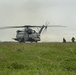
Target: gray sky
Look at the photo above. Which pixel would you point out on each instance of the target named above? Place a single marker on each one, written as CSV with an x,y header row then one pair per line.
x,y
37,12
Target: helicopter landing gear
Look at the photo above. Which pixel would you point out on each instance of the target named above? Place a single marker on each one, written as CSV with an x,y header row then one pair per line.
x,y
21,40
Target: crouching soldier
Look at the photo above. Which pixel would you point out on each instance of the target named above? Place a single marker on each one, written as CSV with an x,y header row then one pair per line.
x,y
73,39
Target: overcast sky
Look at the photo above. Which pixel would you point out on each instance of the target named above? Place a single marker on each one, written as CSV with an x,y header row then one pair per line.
x,y
37,12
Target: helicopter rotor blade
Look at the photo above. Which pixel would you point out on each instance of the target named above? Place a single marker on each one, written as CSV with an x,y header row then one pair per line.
x,y
46,26
29,26
56,26
26,26
7,27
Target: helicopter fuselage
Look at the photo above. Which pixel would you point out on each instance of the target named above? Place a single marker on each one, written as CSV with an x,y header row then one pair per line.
x,y
27,35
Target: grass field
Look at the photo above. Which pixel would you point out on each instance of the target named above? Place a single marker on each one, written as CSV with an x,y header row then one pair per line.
x,y
38,59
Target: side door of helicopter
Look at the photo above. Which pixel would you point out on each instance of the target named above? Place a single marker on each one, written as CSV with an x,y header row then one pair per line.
x,y
26,36
22,36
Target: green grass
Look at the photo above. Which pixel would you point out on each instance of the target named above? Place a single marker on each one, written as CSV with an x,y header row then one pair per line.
x,y
38,59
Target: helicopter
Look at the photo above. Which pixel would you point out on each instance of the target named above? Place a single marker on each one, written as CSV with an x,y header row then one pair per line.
x,y
28,34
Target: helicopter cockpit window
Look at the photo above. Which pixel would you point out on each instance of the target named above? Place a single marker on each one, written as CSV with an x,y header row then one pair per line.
x,y
29,31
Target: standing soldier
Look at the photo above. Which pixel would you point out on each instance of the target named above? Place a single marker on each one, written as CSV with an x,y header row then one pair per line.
x,y
73,39
64,40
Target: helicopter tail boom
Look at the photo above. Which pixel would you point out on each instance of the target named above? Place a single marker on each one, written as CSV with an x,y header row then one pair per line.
x,y
41,29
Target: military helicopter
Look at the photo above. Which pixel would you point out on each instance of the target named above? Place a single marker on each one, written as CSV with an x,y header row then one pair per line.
x,y
28,34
